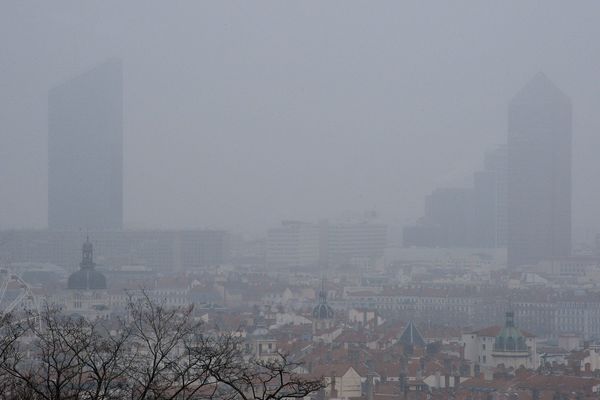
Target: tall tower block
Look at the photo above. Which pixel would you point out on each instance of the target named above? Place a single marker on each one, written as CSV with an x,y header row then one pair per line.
x,y
539,173
85,150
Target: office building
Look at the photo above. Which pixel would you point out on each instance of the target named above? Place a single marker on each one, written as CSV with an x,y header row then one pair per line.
x,y
85,151
293,244
325,244
158,250
539,174
488,214
466,217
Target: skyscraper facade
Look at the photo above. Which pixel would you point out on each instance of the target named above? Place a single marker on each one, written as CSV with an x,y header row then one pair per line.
x,y
539,174
487,226
85,151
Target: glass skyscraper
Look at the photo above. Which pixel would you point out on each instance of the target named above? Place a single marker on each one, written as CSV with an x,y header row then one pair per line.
x,y
539,174
85,150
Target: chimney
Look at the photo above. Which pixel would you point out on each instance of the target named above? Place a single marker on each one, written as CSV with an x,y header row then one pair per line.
x,y
447,364
369,387
488,374
333,392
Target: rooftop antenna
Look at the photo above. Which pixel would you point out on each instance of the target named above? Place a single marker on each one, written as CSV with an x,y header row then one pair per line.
x,y
510,315
322,293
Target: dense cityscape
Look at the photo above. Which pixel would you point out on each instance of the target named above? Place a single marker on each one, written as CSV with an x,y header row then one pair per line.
x,y
489,294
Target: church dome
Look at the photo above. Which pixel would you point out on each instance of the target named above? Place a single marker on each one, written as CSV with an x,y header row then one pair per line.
x,y
87,278
510,338
322,310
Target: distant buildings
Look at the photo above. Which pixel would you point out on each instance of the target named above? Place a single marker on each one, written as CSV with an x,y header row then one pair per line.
x,y
488,222
522,198
85,150
495,345
167,250
293,244
466,217
448,209
352,243
302,244
539,174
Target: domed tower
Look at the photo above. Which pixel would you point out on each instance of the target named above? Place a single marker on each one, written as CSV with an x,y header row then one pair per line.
x,y
510,346
87,278
322,313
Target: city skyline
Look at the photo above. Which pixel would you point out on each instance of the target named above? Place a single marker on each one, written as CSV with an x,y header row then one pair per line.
x,y
299,200
229,126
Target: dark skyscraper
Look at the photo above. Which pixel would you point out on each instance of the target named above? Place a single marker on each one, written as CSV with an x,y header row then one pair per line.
x,y
85,150
539,173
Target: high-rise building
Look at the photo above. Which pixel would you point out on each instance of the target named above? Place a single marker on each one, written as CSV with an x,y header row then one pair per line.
x,y
466,217
85,150
354,243
449,208
305,244
539,174
293,244
446,220
488,214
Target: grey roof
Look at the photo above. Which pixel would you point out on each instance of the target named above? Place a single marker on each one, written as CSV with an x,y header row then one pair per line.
x,y
87,279
411,336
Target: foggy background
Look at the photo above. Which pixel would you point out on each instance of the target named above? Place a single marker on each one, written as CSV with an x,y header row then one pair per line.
x,y
240,114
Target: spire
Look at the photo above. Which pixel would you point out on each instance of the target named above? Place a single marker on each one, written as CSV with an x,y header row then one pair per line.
x,y
510,314
322,310
87,255
322,292
510,319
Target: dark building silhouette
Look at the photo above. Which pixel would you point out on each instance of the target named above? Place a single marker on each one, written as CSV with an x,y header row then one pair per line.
x,y
323,315
466,217
539,174
446,220
85,150
487,227
87,278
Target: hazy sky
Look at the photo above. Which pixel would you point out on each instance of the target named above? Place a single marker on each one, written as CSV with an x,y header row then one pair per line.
x,y
240,114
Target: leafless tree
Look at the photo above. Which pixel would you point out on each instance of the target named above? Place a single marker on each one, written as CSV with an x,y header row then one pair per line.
x,y
167,347
243,378
11,331
106,361
53,369
158,352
